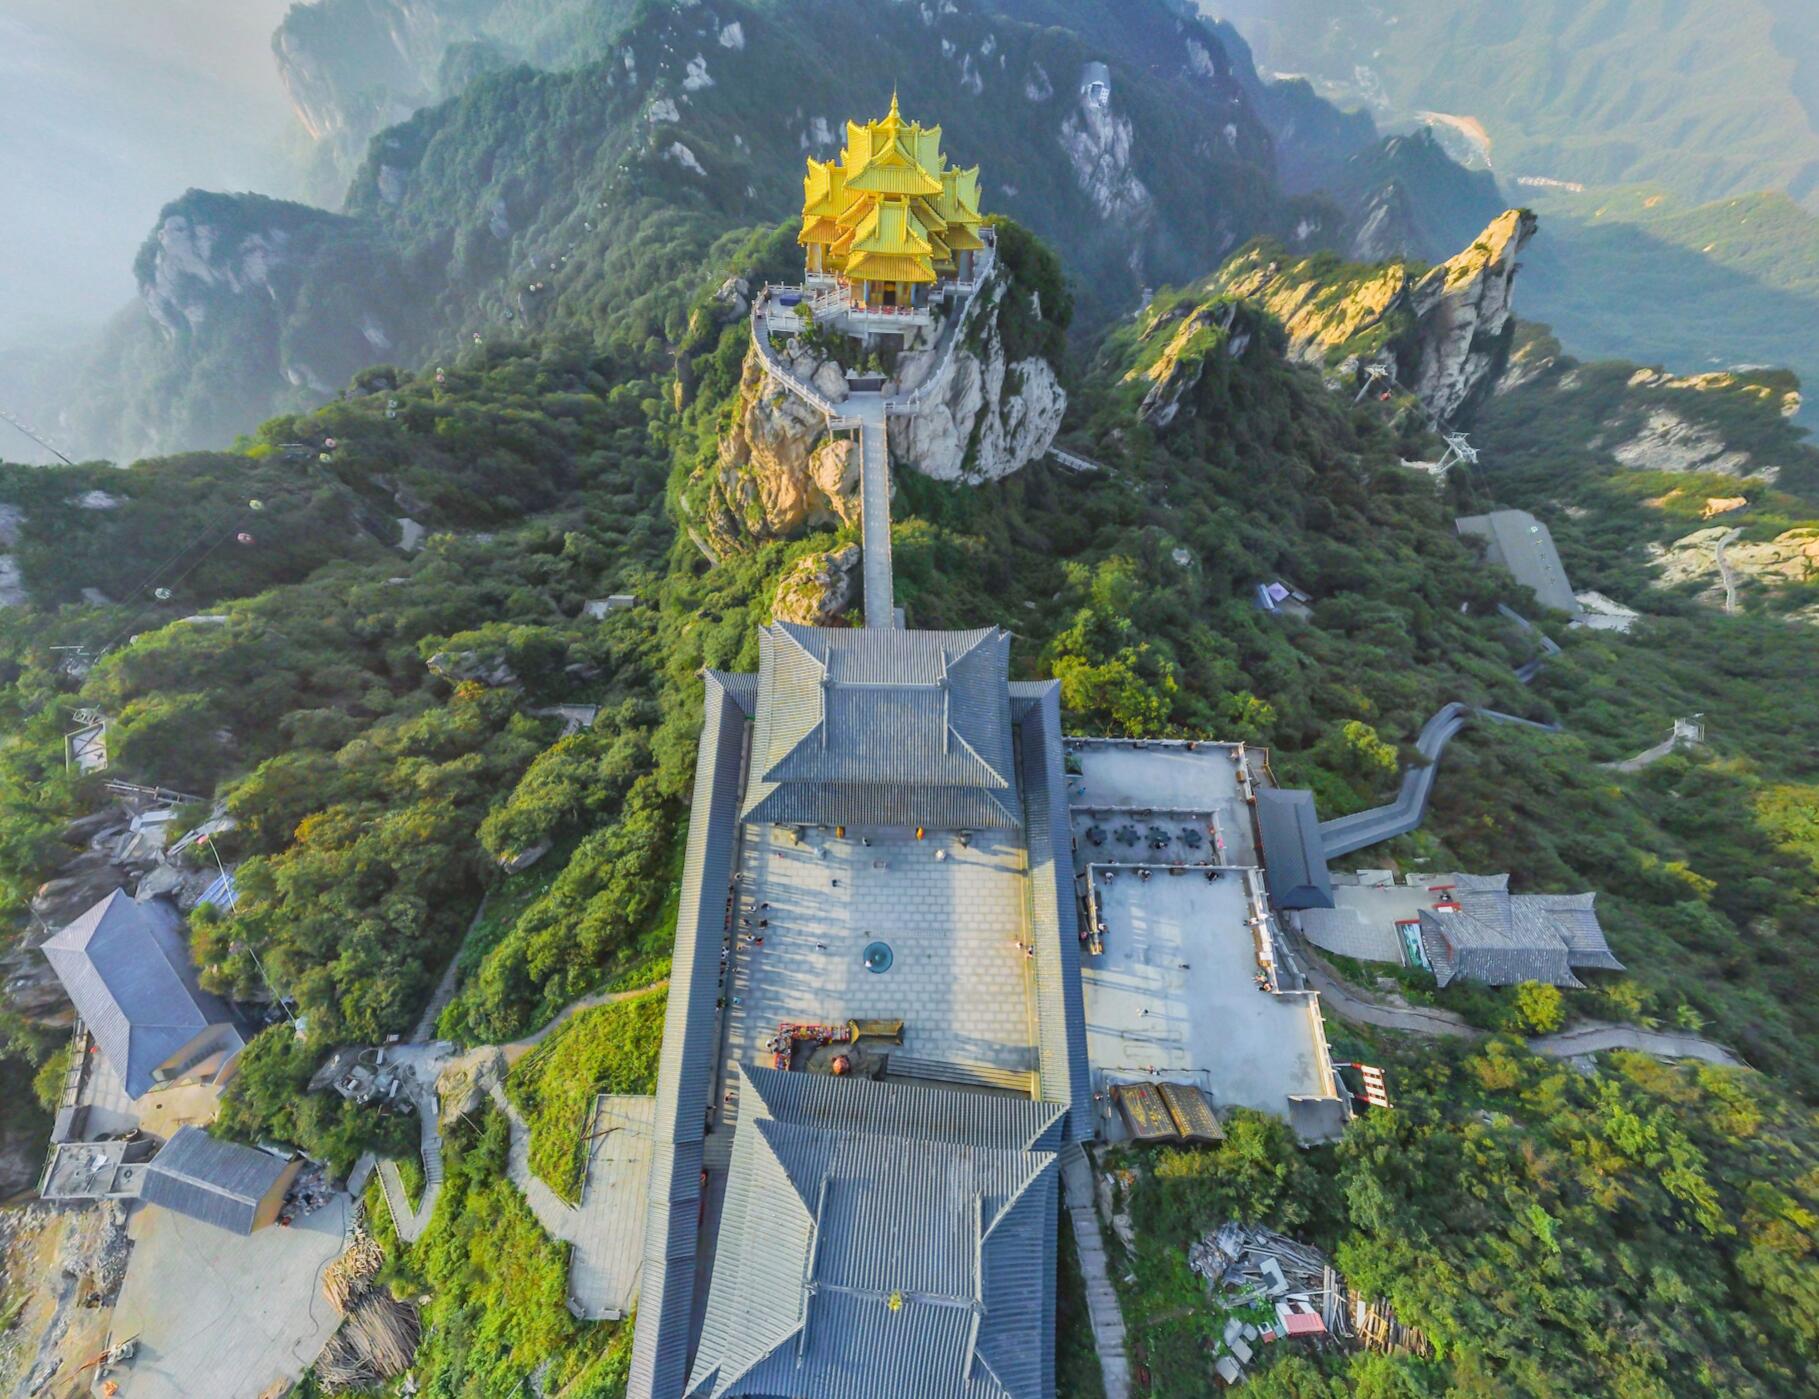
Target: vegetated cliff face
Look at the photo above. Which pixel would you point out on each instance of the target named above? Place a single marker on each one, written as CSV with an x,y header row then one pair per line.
x,y
1704,480
247,307
214,257
983,410
1445,331
1406,198
351,68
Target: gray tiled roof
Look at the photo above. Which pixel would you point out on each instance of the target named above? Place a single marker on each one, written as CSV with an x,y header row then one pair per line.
x,y
127,968
882,727
930,1114
1054,911
685,1069
1294,857
1522,546
861,1254
1501,938
220,1183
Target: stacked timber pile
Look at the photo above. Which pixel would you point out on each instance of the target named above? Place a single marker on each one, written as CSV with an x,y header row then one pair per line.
x,y
378,1333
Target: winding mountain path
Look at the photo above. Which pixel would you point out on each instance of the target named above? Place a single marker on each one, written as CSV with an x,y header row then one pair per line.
x,y
1725,575
1344,834
425,1060
1591,1037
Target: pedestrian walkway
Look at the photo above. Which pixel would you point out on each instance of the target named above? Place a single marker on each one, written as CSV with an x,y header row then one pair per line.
x,y
875,507
410,1223
1592,1037
1101,1300
605,1232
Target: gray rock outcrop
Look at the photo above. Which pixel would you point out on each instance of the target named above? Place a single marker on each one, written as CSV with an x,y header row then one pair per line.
x,y
1464,311
818,589
980,416
458,667
779,471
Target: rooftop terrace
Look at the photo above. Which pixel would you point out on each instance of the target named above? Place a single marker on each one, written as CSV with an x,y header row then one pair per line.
x,y
1170,780
1175,995
1188,985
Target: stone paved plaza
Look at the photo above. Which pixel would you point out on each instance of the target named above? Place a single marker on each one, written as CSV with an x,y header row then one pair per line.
x,y
1165,778
952,915
1206,1021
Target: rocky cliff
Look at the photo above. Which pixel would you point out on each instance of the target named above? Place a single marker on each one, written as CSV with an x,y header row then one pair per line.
x,y
1445,331
987,401
779,471
981,414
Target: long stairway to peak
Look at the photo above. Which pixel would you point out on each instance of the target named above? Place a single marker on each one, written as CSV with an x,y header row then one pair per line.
x,y
875,507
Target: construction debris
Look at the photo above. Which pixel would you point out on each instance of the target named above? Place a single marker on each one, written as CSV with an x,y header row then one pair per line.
x,y
1252,1272
375,1342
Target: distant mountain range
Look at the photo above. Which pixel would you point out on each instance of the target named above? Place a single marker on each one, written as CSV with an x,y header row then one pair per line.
x,y
1705,98
527,168
1673,150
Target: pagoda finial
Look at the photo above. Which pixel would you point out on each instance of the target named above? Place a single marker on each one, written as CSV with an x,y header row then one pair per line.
x,y
895,115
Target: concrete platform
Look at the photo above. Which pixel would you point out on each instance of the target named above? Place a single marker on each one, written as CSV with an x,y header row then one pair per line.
x,y
1362,921
1148,1015
1166,778
220,1316
608,1247
952,915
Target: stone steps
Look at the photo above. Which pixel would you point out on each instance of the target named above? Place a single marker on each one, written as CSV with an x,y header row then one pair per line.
x,y
1102,1306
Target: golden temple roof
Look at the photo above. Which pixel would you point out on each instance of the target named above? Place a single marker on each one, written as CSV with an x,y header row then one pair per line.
x,y
890,208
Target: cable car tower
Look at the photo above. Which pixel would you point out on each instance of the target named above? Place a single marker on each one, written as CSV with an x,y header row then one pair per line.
x,y
1458,451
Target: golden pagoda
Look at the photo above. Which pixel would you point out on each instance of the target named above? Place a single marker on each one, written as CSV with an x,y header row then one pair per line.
x,y
890,220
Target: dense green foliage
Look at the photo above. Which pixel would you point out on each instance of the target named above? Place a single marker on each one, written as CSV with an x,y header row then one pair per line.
x,y
498,1286
1642,1230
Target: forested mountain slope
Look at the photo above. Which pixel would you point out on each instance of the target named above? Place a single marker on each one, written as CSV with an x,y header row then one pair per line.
x,y
1702,98
1673,151
369,717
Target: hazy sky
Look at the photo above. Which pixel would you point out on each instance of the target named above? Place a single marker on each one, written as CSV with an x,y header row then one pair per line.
x,y
108,109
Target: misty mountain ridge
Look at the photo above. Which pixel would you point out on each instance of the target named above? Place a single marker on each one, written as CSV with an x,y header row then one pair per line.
x,y
538,198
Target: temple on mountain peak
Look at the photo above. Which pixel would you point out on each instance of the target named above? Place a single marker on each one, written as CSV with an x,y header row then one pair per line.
x,y
890,221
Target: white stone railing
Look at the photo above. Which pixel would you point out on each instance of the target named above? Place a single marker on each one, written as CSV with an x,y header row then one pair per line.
x,y
910,404
774,365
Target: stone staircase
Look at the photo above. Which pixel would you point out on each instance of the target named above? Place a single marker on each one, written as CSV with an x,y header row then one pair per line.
x,y
1101,1300
411,1224
438,1002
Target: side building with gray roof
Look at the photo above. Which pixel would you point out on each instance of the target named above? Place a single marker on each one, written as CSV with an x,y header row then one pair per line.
x,y
880,731
1521,545
1485,933
1294,857
233,1187
127,968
